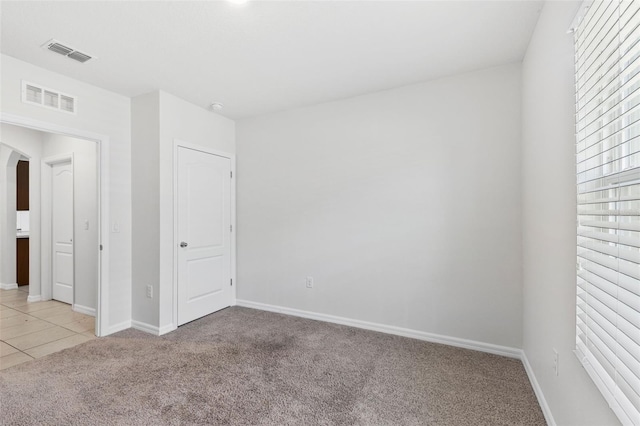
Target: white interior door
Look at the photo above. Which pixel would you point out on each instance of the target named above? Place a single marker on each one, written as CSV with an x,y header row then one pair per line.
x,y
62,231
204,233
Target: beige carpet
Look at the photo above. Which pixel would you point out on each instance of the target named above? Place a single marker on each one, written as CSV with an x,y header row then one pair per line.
x,y
246,367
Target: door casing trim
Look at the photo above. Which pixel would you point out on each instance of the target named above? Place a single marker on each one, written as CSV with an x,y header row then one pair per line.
x,y
102,141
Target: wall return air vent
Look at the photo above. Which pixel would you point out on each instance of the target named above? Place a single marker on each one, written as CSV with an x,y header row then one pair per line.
x,y
69,52
35,94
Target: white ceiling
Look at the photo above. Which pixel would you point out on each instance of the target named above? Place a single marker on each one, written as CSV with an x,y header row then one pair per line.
x,y
267,55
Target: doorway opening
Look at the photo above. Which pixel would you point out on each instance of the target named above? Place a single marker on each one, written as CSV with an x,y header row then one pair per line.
x,y
67,195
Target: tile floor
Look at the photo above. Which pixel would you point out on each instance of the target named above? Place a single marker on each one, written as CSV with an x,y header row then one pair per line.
x,y
33,330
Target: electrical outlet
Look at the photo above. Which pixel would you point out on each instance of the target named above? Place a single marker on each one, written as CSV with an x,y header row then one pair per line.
x,y
150,292
556,361
309,282
86,225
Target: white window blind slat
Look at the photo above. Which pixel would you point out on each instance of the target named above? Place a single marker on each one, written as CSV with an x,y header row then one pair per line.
x,y
595,55
596,198
602,155
610,124
628,132
600,315
601,210
606,309
630,241
598,13
628,269
621,356
621,96
607,65
632,226
630,331
619,180
607,33
610,249
612,356
601,83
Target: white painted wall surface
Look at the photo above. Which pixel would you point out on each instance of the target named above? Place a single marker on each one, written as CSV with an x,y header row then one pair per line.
x,y
158,119
29,143
404,206
101,112
549,222
145,172
85,186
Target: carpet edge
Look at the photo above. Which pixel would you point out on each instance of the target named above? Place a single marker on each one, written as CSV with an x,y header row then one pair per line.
x,y
388,329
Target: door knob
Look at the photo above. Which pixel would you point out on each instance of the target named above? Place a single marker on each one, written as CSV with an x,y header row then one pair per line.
x,y
183,244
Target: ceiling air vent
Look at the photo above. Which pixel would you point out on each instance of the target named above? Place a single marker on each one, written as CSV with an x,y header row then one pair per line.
x,y
78,56
69,52
60,48
36,94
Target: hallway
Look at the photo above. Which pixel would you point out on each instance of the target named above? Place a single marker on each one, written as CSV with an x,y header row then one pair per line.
x,y
33,330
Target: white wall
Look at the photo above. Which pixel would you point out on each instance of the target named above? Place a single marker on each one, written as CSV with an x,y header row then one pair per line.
x,y
549,220
145,172
29,143
101,112
158,119
404,205
85,187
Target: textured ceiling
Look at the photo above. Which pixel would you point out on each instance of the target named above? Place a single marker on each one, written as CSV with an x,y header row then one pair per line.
x,y
267,55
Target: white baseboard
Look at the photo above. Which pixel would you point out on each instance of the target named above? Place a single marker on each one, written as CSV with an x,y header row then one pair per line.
x,y
147,328
143,326
152,329
84,310
166,329
12,286
538,391
118,327
34,298
399,331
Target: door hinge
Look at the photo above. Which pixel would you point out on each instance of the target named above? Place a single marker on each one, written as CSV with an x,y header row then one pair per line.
x,y
100,247
230,228
231,175
231,281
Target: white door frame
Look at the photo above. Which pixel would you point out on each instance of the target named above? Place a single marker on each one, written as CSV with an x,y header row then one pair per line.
x,y
102,141
232,158
46,227
9,233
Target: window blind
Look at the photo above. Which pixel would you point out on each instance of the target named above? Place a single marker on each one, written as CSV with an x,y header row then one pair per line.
x,y
607,66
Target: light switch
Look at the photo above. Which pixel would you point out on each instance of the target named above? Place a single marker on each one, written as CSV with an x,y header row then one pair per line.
x,y
115,228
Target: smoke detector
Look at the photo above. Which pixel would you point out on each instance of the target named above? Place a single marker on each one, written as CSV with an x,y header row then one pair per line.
x,y
216,106
64,50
